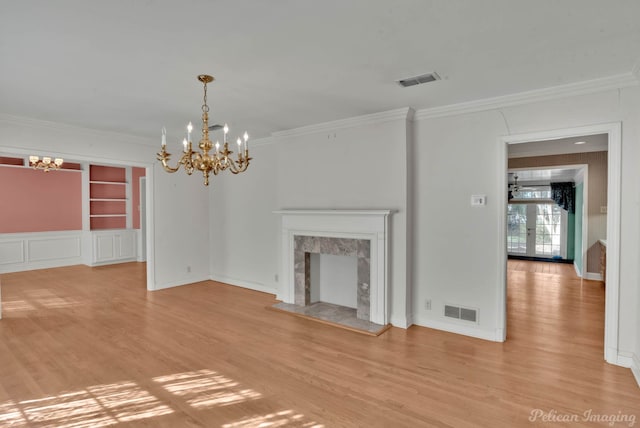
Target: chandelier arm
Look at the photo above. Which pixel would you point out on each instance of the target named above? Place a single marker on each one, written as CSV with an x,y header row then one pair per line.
x,y
239,165
163,157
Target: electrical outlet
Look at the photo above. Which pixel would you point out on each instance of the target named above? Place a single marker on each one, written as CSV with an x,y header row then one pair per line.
x,y
427,304
275,277
188,269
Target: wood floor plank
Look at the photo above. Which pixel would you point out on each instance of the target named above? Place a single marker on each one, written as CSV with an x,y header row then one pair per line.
x,y
85,347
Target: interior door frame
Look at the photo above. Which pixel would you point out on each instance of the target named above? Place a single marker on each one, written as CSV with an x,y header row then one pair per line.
x,y
612,291
143,218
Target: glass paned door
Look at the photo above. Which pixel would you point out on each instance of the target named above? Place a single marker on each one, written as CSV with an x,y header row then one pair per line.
x,y
548,230
517,229
534,230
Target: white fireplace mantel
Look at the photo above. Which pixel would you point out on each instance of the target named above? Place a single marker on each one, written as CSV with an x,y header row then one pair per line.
x,y
372,225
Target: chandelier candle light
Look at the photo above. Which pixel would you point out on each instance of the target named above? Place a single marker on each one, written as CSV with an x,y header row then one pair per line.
x,y
46,163
204,161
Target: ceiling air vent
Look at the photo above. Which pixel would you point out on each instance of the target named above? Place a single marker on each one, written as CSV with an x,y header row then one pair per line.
x,y
417,80
215,127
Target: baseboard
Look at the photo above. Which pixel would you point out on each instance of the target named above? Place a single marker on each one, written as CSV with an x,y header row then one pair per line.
x,y
402,322
628,360
611,356
624,359
178,283
43,265
575,266
592,276
635,368
251,285
111,262
496,335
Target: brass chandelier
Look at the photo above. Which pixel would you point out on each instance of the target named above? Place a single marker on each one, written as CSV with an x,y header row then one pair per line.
x,y
46,163
204,161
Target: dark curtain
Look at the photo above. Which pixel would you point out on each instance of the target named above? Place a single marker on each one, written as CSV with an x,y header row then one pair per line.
x,y
564,195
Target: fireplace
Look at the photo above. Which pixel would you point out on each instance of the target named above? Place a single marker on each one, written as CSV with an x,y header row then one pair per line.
x,y
360,234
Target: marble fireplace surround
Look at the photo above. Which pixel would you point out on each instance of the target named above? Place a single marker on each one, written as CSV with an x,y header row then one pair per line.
x,y
362,233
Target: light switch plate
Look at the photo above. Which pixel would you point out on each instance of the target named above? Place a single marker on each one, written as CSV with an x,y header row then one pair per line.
x,y
478,200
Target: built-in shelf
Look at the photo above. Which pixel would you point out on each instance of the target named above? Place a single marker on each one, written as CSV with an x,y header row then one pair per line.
x,y
124,183
107,197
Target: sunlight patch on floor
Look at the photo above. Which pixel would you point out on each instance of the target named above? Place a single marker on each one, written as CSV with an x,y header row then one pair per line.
x,y
9,306
206,388
36,299
284,418
96,406
121,402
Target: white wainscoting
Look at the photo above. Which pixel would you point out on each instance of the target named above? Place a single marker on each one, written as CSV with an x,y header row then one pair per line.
x,y
39,250
113,246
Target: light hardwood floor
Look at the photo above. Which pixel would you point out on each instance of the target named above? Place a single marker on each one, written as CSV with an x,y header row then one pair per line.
x,y
88,347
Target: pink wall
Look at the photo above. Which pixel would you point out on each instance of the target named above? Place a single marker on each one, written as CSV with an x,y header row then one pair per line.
x,y
37,201
136,173
106,173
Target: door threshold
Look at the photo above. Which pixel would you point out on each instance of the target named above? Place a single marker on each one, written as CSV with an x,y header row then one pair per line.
x,y
540,259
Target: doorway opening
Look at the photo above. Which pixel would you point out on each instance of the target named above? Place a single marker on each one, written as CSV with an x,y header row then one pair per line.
x,y
537,230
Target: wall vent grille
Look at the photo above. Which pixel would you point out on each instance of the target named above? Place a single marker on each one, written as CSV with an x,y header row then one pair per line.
x,y
458,312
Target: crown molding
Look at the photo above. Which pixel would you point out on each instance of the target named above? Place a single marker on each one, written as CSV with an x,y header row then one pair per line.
x,y
404,113
636,69
57,126
536,95
264,141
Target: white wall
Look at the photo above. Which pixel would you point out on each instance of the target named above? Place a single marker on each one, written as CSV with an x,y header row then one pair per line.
x,y
244,232
456,257
180,228
180,204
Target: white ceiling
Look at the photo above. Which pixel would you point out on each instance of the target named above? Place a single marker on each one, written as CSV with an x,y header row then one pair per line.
x,y
592,143
130,66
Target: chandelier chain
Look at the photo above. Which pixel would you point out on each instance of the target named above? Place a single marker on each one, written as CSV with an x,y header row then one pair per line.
x,y
205,107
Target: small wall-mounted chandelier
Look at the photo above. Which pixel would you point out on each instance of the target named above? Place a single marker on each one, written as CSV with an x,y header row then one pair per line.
x,y
203,161
46,164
